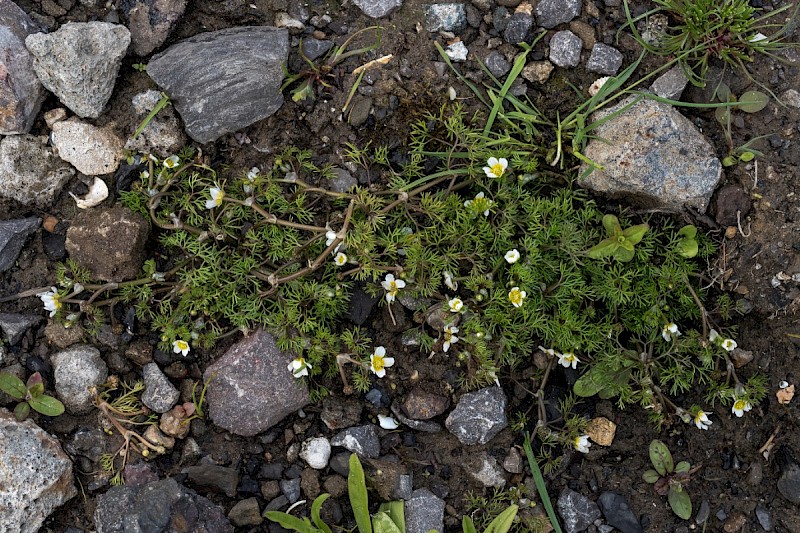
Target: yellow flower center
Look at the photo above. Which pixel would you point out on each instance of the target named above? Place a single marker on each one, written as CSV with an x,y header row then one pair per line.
x,y
497,169
515,297
182,345
377,363
739,405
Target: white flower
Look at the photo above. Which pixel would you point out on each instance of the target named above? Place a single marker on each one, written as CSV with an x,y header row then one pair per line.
x,y
378,362
568,359
701,420
448,280
387,422
549,351
713,335
299,367
582,443
51,301
729,345
481,203
669,330
516,296
449,337
181,347
172,161
496,167
340,259
392,286
253,173
217,195
455,305
330,236
740,407
512,256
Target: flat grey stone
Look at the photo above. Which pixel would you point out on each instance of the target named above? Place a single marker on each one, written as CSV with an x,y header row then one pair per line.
x,y
15,325
13,234
377,8
670,84
151,21
565,49
653,155
291,489
497,64
246,513
618,513
316,48
518,28
92,150
604,59
450,17
343,182
76,369
157,506
484,469
36,474
577,511
216,91
362,440
29,171
21,93
79,63
551,13
109,242
159,393
251,389
424,511
222,479
478,416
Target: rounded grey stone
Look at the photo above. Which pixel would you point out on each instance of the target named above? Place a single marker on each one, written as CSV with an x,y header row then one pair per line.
x,y
76,369
604,59
565,49
159,393
478,416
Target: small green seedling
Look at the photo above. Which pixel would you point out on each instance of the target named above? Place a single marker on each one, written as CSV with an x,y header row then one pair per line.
x,y
619,243
687,241
748,102
501,524
670,479
31,396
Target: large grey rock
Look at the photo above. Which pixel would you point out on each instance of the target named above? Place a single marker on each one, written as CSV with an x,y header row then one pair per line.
x,y
151,21
652,154
75,370
577,511
157,506
29,171
604,60
36,475
92,150
163,135
377,8
13,234
551,13
79,63
250,388
15,325
109,242
21,93
446,17
565,49
362,440
424,511
478,416
159,394
217,91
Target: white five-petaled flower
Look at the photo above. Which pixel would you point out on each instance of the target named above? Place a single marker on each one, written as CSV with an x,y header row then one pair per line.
x,y
480,202
455,305
217,194
568,359
449,281
51,300
496,167
740,407
512,256
378,362
181,346
251,175
449,337
387,422
669,330
172,161
729,345
392,286
701,420
299,367
340,259
582,443
516,296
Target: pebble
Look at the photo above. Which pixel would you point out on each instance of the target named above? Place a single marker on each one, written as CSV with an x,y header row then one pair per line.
x,y
537,71
291,489
151,21
551,13
518,28
604,59
423,405
789,482
13,235
75,370
735,522
316,48
478,416
497,64
703,513
484,469
377,8
218,478
92,150
424,511
618,513
15,325
450,17
577,512
316,452
362,440
601,430
565,49
764,517
670,84
29,171
513,462
246,513
457,51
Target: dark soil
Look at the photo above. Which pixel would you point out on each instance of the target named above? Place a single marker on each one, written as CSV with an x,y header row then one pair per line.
x,y
735,476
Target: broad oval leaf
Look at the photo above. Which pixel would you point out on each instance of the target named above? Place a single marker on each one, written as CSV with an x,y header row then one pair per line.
x,y
503,522
467,525
21,411
381,523
47,405
650,476
611,224
682,467
661,458
624,253
680,502
634,234
588,384
13,386
728,161
687,248
689,231
723,115
746,156
605,248
753,101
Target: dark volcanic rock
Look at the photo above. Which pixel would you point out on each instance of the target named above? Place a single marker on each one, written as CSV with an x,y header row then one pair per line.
x,y
13,234
478,416
618,513
576,510
15,325
223,81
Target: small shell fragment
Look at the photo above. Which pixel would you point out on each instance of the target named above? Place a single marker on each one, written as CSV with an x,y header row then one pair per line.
x,y
97,193
785,394
597,85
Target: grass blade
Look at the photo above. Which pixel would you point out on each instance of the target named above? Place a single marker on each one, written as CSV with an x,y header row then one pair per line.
x,y
539,480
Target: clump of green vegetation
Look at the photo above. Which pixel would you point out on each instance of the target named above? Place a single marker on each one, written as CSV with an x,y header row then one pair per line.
x,y
670,479
502,511
30,395
748,102
729,30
